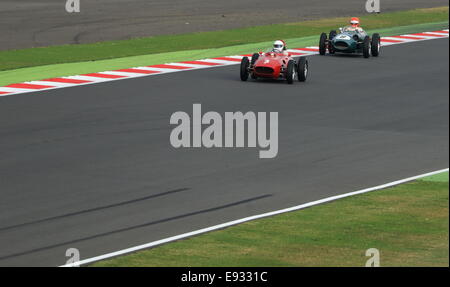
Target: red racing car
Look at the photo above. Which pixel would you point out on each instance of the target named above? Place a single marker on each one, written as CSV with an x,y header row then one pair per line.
x,y
275,64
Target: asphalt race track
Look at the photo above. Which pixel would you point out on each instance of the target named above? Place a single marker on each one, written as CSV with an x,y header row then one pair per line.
x,y
36,23
91,167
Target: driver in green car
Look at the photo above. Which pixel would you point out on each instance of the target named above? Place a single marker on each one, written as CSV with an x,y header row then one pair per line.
x,y
354,27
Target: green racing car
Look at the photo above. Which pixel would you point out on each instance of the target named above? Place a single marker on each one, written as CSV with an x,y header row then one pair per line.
x,y
350,40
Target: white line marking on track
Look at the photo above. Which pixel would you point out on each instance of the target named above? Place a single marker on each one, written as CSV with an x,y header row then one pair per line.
x,y
191,66
222,62
87,78
235,57
421,37
14,90
45,83
160,70
246,219
125,74
398,39
437,33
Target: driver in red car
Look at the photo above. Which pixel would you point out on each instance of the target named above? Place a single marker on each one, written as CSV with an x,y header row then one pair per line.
x,y
279,46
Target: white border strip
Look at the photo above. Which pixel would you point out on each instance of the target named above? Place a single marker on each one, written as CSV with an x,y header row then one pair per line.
x,y
246,219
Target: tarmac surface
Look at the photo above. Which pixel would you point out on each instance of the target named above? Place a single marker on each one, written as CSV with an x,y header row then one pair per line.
x,y
92,168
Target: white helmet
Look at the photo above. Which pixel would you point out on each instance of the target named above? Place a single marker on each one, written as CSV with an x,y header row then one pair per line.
x,y
278,46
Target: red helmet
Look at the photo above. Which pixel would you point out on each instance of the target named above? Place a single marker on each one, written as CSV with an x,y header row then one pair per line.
x,y
354,21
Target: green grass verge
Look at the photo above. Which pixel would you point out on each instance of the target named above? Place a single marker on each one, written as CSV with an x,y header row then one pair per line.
x,y
441,177
408,224
38,63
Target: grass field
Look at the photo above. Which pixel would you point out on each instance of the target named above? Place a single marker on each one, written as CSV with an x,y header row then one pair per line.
x,y
14,59
408,224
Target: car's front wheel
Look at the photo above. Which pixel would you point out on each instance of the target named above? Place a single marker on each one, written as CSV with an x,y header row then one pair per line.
x,y
244,69
290,72
375,45
302,69
323,44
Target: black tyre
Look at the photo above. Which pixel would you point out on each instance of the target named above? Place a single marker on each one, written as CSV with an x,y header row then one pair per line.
x,y
255,58
375,45
366,47
244,69
290,72
323,44
331,36
302,69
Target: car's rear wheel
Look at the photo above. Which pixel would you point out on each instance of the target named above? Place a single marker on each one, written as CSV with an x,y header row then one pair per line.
x,y
323,44
375,45
302,69
255,58
244,69
366,47
290,72
331,36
